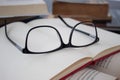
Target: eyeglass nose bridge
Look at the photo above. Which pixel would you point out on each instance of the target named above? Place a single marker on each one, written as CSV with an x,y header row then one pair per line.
x,y
65,45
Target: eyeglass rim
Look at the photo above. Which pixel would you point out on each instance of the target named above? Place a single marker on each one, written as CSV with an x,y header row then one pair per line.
x,y
63,45
27,51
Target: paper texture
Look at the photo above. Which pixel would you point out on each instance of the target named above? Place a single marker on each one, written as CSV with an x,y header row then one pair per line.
x,y
18,66
90,74
109,65
106,38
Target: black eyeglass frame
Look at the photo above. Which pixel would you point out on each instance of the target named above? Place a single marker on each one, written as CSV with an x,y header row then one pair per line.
x,y
63,45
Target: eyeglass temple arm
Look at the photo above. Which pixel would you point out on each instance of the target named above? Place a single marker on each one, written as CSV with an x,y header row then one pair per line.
x,y
93,36
16,45
77,29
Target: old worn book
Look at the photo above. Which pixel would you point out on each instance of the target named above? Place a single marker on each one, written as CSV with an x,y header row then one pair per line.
x,y
85,1
12,8
82,10
44,37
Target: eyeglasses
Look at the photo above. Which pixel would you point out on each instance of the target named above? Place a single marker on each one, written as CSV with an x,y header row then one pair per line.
x,y
49,38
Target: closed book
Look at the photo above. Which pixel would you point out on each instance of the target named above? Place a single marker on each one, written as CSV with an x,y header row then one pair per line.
x,y
15,8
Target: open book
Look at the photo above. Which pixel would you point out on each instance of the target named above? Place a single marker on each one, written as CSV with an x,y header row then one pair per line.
x,y
55,65
90,74
109,65
12,8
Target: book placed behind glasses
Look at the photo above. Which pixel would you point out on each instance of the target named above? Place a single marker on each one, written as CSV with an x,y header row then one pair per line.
x,y
56,65
13,8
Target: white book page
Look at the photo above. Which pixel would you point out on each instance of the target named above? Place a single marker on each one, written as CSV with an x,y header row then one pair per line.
x,y
45,66
110,65
31,66
20,2
90,74
107,39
